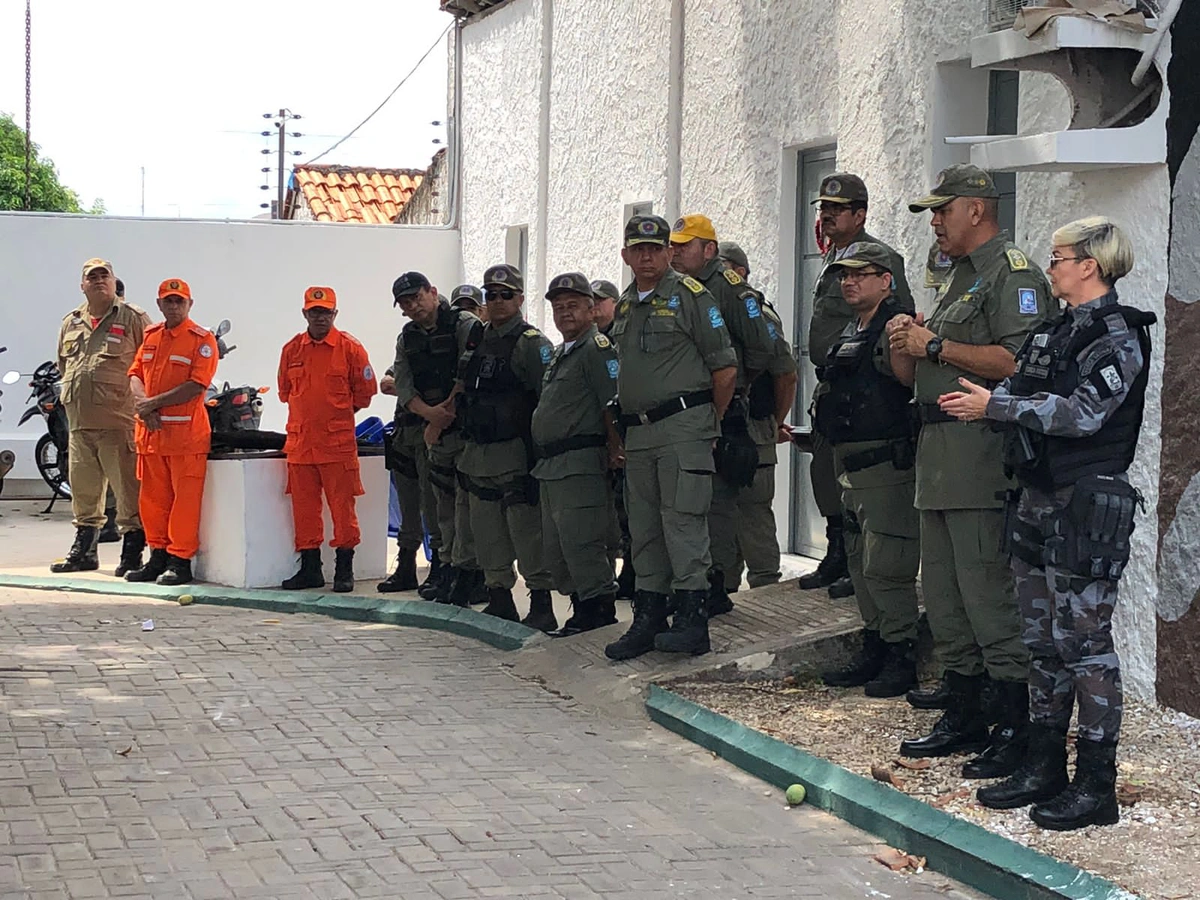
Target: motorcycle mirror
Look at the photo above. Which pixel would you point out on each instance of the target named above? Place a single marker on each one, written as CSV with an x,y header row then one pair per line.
x,y
223,328
11,377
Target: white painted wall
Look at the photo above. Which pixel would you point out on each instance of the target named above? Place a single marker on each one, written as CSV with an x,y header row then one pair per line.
x,y
253,273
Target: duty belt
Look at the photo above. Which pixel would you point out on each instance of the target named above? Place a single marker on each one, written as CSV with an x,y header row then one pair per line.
x,y
864,459
663,410
575,442
931,414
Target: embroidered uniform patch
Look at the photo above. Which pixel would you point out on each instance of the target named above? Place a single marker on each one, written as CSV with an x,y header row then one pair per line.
x,y
673,303
205,351
546,352
1112,378
367,373
771,331
613,368
1027,301
752,309
714,317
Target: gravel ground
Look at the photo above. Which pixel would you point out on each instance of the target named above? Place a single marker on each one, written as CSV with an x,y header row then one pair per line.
x,y
1154,851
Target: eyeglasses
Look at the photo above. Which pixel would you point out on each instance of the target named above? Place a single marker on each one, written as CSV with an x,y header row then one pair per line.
x,y
1055,260
847,275
492,296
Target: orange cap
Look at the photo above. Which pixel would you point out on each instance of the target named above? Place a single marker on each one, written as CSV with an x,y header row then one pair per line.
x,y
320,296
176,286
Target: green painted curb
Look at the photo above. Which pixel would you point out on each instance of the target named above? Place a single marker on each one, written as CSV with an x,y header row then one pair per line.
x,y
959,849
410,613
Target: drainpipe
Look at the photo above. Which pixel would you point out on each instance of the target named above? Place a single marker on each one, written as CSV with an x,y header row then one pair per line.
x,y
543,194
454,136
675,116
1164,25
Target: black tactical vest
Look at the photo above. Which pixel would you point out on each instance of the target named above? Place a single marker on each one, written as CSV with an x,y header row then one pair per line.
x,y
496,405
1049,362
862,404
433,356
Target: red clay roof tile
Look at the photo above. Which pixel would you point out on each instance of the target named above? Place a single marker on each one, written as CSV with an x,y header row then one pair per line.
x,y
355,193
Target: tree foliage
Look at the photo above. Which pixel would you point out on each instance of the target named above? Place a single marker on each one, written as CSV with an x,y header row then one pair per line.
x,y
46,193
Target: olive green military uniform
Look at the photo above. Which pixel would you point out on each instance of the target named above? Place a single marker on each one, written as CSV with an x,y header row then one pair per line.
x,y
741,309
94,362
508,529
830,316
994,295
757,538
572,469
427,476
670,342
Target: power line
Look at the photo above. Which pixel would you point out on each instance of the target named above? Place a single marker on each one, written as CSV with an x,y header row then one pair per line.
x,y
385,99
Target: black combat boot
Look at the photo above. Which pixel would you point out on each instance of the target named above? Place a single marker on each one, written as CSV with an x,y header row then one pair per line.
x,y
962,727
310,574
155,566
689,626
445,584
935,697
863,667
1091,797
459,592
132,546
833,566
109,533
541,612
841,588
899,672
404,578
179,571
343,570
82,556
626,579
718,601
500,604
1041,776
649,619
1009,738
428,588
587,615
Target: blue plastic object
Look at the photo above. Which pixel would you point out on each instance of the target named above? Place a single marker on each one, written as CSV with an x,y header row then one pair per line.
x,y
371,430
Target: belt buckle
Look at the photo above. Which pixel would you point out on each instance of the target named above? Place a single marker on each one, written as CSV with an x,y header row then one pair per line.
x,y
644,419
682,402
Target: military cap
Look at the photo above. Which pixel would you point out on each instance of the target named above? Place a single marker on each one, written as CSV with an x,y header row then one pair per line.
x,y
322,297
691,227
647,230
957,181
605,290
504,275
407,284
174,287
97,263
842,187
733,254
861,254
570,282
466,295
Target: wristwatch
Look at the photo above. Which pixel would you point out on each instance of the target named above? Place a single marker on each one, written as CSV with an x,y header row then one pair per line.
x,y
934,348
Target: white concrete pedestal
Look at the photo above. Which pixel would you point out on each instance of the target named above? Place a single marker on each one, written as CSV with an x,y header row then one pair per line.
x,y
246,534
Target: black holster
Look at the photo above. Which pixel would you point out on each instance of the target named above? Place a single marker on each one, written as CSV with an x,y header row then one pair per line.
x,y
1091,534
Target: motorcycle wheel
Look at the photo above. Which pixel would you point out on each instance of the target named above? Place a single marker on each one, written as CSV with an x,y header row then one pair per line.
x,y
53,469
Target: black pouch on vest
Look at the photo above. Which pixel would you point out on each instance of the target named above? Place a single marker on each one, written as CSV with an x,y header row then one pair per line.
x,y
1092,533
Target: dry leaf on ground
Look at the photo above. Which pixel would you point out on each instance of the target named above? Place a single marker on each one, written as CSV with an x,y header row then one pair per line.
x,y
897,860
126,751
884,774
944,799
915,765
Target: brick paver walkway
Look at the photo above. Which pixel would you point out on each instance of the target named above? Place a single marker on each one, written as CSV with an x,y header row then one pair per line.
x,y
228,754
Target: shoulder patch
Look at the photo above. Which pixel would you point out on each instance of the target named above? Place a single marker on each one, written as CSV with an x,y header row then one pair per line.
x,y
601,341
732,277
623,309
714,317
692,284
531,332
1017,261
1027,304
546,353
752,309
614,368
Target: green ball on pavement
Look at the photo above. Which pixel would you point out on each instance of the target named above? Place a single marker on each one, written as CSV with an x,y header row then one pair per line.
x,y
796,794
185,599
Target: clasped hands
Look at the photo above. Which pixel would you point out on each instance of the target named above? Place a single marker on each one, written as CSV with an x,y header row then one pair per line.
x,y
147,410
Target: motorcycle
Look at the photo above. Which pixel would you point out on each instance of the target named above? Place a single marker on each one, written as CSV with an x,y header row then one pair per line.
x,y
7,458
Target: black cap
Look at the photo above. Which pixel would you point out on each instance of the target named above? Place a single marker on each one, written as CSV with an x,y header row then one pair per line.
x,y
647,230
504,275
408,283
466,295
572,282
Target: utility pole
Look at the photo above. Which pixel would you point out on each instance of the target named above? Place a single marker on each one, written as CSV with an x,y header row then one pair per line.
x,y
143,191
281,119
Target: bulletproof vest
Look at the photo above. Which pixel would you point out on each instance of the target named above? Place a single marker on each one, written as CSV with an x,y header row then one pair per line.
x,y
1048,362
862,404
497,406
433,356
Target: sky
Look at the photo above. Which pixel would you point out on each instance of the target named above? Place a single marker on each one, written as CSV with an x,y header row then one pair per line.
x,y
180,89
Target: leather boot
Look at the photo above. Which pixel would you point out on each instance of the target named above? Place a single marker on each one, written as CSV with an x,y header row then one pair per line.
x,y
1041,776
587,615
445,583
132,546
310,573
833,566
649,620
962,727
689,626
500,604
460,589
1010,736
155,566
428,588
343,570
404,578
841,588
1091,797
179,571
109,534
867,664
541,612
626,579
899,672
718,601
82,556
935,697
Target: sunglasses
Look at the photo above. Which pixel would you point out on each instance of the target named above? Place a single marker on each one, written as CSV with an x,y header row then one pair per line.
x,y
506,294
845,275
1055,260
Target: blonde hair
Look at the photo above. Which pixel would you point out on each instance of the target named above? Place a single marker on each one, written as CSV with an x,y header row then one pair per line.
x,y
1096,237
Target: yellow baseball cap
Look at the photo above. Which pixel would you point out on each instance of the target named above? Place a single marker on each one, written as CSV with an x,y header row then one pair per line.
x,y
97,263
691,227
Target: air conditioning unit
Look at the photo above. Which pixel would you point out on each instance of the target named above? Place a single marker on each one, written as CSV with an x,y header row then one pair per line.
x,y
1002,13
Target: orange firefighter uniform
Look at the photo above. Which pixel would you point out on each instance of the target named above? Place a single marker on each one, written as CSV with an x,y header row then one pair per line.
x,y
324,383
172,460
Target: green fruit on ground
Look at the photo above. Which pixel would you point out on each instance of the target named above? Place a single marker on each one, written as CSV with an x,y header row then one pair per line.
x,y
796,794
185,599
